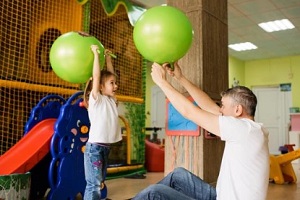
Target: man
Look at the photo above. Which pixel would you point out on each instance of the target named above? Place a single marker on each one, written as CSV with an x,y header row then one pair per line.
x,y
244,173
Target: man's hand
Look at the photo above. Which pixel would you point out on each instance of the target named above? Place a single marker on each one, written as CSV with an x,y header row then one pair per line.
x,y
173,72
158,74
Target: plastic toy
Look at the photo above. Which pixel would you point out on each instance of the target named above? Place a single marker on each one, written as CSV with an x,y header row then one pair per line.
x,y
281,168
66,172
39,130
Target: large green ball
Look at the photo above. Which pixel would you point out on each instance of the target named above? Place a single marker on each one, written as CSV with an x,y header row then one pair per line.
x,y
163,34
71,57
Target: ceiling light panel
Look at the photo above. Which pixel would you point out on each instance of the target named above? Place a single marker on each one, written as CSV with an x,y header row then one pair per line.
x,y
242,46
277,25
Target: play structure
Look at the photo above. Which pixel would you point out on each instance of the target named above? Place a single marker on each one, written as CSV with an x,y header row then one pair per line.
x,y
51,141
281,168
60,127
26,74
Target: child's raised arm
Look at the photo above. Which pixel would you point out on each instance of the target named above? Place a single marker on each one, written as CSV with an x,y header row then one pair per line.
x,y
109,64
96,71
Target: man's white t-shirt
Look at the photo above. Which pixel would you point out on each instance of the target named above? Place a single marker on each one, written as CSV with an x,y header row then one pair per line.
x,y
244,172
104,120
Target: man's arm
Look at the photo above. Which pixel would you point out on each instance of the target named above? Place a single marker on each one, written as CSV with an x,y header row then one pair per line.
x,y
199,96
205,119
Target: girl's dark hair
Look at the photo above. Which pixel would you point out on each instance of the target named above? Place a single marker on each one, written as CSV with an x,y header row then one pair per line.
x,y
89,84
105,74
243,96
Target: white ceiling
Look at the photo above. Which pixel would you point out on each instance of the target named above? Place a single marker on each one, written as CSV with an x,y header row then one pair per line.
x,y
243,17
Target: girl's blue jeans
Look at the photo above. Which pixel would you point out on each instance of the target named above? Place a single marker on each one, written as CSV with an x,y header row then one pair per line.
x,y
95,166
180,185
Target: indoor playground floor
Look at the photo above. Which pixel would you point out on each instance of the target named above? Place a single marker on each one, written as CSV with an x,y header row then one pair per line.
x,y
126,188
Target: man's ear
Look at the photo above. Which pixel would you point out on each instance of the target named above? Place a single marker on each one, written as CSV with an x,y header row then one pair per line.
x,y
239,110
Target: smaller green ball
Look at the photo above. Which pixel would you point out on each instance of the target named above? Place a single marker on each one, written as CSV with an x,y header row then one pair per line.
x,y
71,57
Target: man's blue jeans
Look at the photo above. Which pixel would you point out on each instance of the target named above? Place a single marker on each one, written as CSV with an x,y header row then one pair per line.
x,y
95,166
178,185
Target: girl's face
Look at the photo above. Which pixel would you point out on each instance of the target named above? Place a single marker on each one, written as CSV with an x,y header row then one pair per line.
x,y
109,87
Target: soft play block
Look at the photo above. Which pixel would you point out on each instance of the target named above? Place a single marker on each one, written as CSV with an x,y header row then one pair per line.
x,y
155,157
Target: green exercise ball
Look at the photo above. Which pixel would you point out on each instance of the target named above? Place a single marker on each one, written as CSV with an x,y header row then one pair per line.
x,y
163,34
71,57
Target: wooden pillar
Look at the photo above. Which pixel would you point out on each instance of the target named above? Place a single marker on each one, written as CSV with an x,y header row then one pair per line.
x,y
206,65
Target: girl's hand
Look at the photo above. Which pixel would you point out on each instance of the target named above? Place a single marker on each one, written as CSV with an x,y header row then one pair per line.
x,y
107,52
95,49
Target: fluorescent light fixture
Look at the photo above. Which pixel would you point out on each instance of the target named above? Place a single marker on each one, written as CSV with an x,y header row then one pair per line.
x,y
242,46
277,25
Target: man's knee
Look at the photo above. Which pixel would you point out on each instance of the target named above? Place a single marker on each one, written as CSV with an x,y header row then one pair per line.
x,y
155,188
150,191
180,170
